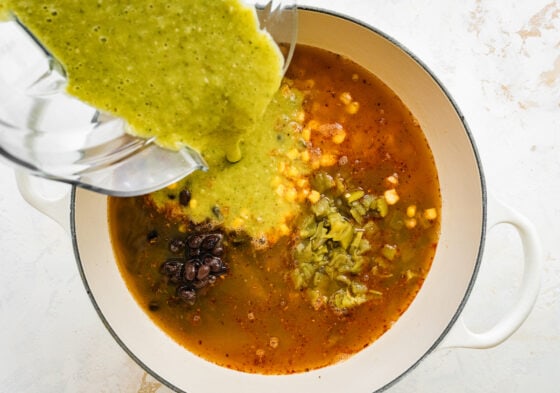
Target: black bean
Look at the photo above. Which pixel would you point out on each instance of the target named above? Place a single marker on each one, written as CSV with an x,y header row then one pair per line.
x,y
217,212
199,265
203,272
201,283
175,279
176,246
193,253
203,227
190,271
211,241
194,241
172,266
152,237
153,305
214,263
186,294
217,251
185,197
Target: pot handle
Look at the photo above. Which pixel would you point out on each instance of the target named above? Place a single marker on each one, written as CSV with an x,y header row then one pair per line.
x,y
460,335
57,208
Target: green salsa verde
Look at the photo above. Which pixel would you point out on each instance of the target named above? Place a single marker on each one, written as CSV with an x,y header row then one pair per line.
x,y
197,73
248,195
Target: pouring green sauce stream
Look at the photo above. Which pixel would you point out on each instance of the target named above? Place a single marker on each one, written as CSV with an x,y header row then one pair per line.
x,y
197,73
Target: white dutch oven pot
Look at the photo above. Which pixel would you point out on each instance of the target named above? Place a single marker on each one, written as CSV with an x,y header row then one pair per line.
x,y
432,320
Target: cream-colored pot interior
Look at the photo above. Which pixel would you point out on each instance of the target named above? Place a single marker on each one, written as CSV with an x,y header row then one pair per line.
x,y
421,327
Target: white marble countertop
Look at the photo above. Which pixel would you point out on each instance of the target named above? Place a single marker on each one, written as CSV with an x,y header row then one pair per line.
x,y
500,60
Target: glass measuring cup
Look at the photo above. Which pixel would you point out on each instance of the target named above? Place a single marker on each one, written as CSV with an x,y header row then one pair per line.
x,y
53,135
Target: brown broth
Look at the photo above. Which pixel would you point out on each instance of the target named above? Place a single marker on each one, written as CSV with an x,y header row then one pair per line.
x,y
252,319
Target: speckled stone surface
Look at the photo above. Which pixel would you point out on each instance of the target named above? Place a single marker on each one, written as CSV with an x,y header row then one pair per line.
x,y
500,60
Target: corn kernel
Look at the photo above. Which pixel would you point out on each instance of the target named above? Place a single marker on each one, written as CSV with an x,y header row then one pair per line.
x,y
300,116
328,160
183,228
430,214
237,223
410,274
410,222
172,186
346,98
284,229
273,342
315,164
314,196
280,190
339,136
304,193
391,196
411,211
355,77
313,124
393,179
292,172
306,134
193,203
302,183
353,107
293,154
305,156
290,195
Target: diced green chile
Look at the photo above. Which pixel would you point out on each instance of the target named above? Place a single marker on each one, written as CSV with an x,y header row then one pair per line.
x,y
332,248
